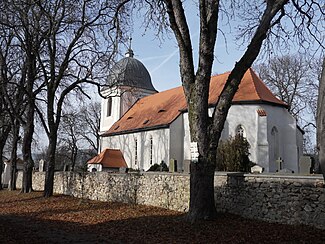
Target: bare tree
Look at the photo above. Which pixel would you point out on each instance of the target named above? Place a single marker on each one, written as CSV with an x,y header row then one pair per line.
x,y
78,131
69,137
321,120
61,44
81,38
4,116
292,79
90,116
12,90
23,20
205,130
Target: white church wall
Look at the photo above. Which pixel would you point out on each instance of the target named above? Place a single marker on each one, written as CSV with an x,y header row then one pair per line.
x,y
246,116
94,167
176,142
258,133
145,157
282,143
187,137
122,99
262,145
300,142
107,121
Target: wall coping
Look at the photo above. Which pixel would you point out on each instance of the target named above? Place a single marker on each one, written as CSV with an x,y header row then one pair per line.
x,y
220,173
272,175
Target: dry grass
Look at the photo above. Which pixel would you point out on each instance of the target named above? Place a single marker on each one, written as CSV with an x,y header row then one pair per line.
x,y
30,218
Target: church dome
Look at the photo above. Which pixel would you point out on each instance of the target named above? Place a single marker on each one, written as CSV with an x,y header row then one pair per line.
x,y
130,72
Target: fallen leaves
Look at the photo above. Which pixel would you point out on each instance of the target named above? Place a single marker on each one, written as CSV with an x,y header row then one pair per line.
x,y
30,218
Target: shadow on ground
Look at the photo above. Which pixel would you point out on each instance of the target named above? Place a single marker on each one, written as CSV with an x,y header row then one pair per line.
x,y
64,219
153,229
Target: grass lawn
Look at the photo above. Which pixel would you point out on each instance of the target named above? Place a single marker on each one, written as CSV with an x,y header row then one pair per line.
x,y
30,218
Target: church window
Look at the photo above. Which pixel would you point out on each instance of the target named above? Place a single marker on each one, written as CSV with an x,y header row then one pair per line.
x,y
275,142
135,151
109,107
240,131
151,149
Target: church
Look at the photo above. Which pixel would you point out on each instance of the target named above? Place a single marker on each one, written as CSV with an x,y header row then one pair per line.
x,y
151,127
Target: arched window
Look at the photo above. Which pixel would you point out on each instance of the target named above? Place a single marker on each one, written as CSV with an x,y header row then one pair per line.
x,y
151,149
240,131
275,142
109,107
135,151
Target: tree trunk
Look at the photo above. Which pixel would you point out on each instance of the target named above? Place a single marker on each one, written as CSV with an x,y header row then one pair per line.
x,y
27,151
321,121
202,205
74,157
1,166
29,124
50,167
13,159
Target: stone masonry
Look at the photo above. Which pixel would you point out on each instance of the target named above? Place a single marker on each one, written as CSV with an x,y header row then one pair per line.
x,y
276,198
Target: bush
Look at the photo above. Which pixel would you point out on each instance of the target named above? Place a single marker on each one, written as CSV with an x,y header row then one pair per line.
x,y
232,155
157,167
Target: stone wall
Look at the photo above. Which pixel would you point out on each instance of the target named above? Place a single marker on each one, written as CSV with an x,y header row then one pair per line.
x,y
163,190
275,198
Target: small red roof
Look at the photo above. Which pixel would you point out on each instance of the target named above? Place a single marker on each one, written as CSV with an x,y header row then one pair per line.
x,y
109,158
161,109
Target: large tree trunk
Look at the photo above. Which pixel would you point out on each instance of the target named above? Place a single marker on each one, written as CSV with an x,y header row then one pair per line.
x,y
27,149
13,159
321,121
202,205
50,167
1,167
29,124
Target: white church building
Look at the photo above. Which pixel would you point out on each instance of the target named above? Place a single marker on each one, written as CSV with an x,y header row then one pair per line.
x,y
151,127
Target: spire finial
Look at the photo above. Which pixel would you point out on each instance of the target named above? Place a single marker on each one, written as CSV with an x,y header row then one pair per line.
x,y
129,53
130,42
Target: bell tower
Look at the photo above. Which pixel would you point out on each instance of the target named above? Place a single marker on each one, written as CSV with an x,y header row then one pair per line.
x,y
128,81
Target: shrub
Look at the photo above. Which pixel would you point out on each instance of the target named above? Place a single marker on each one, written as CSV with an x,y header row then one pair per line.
x,y
232,155
157,167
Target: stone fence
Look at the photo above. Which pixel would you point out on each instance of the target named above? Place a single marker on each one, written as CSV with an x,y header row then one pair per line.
x,y
275,198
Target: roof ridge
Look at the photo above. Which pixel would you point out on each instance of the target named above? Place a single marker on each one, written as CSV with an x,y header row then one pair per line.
x,y
251,72
221,74
265,87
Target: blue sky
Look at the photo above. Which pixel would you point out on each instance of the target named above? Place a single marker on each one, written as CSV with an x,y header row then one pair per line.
x,y
162,60
162,57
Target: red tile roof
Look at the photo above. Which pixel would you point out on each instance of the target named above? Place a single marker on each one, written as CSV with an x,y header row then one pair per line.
x,y
160,109
109,158
261,112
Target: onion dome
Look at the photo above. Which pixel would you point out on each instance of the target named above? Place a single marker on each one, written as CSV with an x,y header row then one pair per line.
x,y
129,71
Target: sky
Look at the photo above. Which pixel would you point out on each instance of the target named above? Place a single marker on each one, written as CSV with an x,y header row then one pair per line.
x,y
161,58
